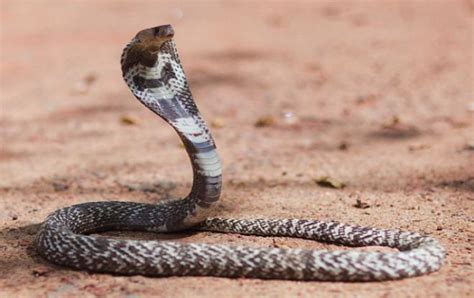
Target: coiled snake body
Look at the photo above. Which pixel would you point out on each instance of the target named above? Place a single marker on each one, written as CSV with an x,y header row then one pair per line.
x,y
153,72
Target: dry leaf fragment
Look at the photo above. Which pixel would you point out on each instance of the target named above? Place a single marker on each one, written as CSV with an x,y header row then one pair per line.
x,y
83,86
40,271
343,146
265,121
326,181
459,124
279,245
470,145
418,147
128,120
367,99
90,78
394,122
361,205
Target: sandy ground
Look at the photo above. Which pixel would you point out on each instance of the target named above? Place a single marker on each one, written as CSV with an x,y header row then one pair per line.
x,y
376,94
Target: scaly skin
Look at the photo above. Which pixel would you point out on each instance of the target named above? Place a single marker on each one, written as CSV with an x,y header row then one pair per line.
x,y
152,70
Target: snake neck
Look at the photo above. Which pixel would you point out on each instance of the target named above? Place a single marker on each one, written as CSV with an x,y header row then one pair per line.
x,y
158,81
207,173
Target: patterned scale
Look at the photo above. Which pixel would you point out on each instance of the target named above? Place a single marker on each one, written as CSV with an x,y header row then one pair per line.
x,y
152,70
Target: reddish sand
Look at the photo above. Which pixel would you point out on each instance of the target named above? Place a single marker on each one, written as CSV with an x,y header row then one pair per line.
x,y
377,94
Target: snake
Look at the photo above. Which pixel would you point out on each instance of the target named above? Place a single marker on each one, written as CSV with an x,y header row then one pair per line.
x,y
70,236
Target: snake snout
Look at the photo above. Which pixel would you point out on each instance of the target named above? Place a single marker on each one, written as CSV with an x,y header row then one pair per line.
x,y
159,33
163,31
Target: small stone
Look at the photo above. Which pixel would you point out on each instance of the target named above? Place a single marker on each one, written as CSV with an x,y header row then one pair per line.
x,y
40,271
470,107
80,88
60,186
289,117
218,123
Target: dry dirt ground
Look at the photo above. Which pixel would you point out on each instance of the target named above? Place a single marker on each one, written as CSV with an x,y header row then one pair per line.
x,y
376,94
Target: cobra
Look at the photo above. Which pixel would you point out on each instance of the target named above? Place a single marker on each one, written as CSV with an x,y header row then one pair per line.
x,y
153,72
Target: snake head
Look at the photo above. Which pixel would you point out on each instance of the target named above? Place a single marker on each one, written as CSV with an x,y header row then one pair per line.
x,y
155,35
145,47
153,72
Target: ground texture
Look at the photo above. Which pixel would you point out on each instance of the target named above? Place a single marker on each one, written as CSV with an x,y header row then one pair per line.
x,y
374,94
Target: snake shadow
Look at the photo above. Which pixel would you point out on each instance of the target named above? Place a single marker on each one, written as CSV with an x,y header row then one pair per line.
x,y
20,256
